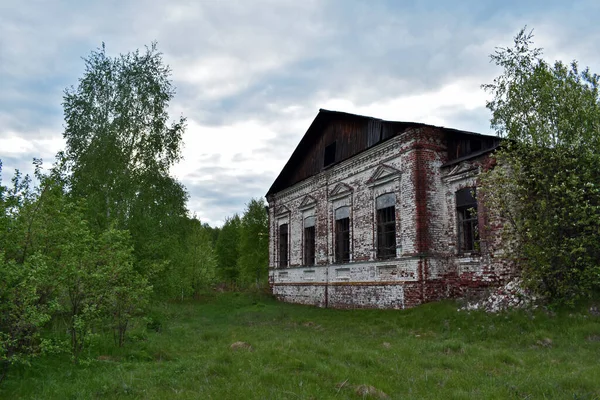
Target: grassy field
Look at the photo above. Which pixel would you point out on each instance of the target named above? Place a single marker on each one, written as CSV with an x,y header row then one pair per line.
x,y
297,352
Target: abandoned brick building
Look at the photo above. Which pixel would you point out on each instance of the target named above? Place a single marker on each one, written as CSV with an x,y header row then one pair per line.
x,y
374,213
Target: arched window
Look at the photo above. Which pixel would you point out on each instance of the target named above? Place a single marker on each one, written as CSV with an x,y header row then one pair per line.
x,y
342,234
309,240
386,225
468,226
283,245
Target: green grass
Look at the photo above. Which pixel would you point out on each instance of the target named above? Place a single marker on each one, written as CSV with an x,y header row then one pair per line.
x,y
430,352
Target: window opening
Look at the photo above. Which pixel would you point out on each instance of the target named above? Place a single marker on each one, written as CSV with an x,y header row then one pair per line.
x,y
329,156
283,245
468,226
309,241
386,226
342,235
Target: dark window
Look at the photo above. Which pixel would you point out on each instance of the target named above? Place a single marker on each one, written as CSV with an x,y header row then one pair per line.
x,y
386,232
329,157
309,245
283,245
309,241
468,227
342,240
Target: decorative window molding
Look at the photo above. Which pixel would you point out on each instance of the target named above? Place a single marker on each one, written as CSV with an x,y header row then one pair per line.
x,y
385,206
339,191
309,241
282,211
467,221
307,203
383,174
283,236
385,185
460,172
342,249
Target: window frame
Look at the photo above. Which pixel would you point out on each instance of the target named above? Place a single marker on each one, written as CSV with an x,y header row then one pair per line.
x,y
467,221
283,245
342,240
309,244
385,218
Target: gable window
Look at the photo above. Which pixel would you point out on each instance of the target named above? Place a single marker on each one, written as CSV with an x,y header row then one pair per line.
x,y
468,227
329,155
283,245
386,226
309,241
342,234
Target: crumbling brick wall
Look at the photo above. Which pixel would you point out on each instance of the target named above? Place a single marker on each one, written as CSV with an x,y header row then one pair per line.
x,y
427,265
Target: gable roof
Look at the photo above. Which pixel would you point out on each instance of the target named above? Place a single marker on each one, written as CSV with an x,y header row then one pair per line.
x,y
320,123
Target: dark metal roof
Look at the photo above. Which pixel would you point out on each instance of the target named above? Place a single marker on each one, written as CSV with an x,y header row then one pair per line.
x,y
320,123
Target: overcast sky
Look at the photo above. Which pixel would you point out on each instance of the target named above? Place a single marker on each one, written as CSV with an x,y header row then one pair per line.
x,y
252,75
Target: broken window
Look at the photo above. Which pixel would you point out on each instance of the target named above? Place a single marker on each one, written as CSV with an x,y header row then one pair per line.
x,y
283,245
342,234
386,226
329,155
309,241
468,227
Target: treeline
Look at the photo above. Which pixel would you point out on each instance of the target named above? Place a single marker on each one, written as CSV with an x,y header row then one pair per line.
x,y
242,248
106,232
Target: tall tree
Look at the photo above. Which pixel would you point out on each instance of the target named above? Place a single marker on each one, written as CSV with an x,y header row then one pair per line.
x,y
118,133
120,147
548,189
253,258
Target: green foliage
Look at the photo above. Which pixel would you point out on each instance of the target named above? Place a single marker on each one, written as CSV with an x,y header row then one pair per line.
x,y
253,261
127,291
120,147
227,249
55,265
85,247
541,104
195,268
23,311
118,136
548,190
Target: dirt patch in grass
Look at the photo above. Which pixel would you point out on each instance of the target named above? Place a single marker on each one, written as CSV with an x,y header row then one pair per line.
x,y
241,346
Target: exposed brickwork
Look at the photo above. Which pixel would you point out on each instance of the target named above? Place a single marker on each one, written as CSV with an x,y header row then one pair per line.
x,y
427,266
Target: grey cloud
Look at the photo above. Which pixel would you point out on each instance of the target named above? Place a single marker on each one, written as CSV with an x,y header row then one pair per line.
x,y
226,195
285,54
238,157
477,120
12,163
209,158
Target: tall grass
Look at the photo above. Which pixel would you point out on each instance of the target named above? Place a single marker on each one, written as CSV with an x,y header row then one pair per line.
x,y
298,352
